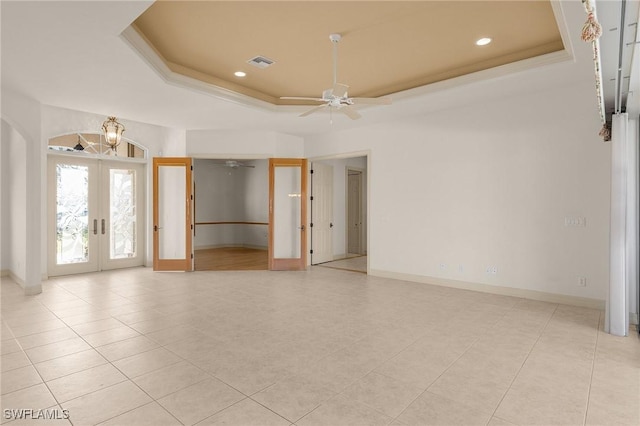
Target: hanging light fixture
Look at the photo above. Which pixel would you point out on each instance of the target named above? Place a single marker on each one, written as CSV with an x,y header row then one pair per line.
x,y
112,132
78,146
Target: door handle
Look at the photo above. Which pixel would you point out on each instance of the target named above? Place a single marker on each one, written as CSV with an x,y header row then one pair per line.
x,y
95,226
103,226
330,225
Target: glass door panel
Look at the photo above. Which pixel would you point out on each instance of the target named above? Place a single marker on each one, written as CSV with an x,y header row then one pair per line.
x,y
123,205
73,216
172,216
287,214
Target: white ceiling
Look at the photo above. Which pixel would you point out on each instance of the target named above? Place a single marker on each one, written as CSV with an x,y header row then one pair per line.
x,y
72,55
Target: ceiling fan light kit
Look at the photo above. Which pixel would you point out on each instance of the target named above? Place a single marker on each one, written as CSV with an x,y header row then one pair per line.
x,y
337,97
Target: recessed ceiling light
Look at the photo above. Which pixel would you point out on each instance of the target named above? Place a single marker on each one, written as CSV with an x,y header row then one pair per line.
x,y
240,74
483,41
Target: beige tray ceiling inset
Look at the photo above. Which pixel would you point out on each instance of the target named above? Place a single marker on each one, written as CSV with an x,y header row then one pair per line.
x,y
387,47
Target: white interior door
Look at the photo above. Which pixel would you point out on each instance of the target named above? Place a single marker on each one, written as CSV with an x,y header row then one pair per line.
x,y
322,213
95,215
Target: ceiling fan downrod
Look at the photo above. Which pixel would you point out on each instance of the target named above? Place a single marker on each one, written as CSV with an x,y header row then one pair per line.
x,y
335,38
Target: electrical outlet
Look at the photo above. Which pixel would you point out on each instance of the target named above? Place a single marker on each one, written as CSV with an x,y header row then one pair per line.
x,y
460,268
582,281
492,270
574,222
443,266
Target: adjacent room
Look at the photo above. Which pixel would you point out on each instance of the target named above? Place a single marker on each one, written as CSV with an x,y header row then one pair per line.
x,y
231,214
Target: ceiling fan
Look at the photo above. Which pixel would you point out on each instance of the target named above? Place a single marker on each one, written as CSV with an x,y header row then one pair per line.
x,y
337,97
234,164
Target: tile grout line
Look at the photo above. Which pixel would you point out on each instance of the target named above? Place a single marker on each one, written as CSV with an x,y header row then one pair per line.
x,y
525,360
442,373
593,365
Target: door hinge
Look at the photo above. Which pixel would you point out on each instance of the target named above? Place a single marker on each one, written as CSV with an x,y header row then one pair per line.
x,y
311,171
311,225
192,196
311,251
312,198
192,255
191,167
191,226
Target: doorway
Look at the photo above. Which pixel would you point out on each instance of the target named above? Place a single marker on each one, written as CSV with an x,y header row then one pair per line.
x,y
354,212
343,210
231,214
95,214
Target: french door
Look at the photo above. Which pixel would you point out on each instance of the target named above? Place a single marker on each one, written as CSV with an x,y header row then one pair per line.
x,y
95,215
287,214
172,214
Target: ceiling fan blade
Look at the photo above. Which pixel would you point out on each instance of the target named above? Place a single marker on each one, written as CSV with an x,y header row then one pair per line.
x,y
339,90
372,101
312,110
301,98
349,112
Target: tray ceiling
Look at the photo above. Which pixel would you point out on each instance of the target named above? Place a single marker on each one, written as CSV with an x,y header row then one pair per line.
x,y
387,47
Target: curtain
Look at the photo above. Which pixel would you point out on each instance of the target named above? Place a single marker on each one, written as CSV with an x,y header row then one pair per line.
x,y
623,273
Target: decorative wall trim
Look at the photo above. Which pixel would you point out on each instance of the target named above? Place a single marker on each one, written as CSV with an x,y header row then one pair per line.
x,y
503,291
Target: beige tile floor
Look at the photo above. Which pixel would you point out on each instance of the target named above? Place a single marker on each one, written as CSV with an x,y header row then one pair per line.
x,y
354,263
321,347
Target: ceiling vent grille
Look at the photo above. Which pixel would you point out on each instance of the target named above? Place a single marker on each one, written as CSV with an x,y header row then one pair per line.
x,y
261,62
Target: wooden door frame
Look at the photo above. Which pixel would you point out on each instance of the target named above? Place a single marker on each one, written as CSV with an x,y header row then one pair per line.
x,y
289,264
185,264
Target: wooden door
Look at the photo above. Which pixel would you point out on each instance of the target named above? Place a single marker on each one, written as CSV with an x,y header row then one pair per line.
x,y
172,214
287,214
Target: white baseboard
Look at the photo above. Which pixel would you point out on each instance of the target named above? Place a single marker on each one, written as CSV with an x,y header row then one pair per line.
x,y
28,291
503,291
340,256
215,246
16,279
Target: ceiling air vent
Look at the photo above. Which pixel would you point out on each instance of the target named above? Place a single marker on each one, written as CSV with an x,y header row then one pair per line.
x,y
261,62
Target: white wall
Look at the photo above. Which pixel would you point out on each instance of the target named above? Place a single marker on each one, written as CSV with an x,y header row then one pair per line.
x,y
23,115
243,144
489,185
256,204
4,202
14,225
